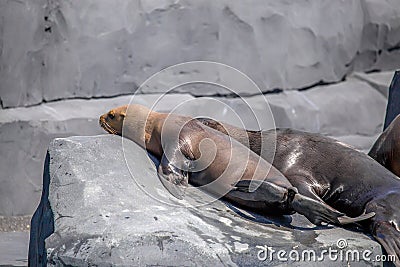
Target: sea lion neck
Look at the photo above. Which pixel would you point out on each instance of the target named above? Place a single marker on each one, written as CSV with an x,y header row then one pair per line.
x,y
140,126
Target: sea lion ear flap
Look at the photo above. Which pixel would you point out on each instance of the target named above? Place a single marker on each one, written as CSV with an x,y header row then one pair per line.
x,y
172,178
123,114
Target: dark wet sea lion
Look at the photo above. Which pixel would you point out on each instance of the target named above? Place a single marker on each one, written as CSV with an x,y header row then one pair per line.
x,y
275,194
386,149
328,170
393,105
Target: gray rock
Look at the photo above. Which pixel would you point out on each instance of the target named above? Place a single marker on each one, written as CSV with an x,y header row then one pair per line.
x,y
22,40
57,50
14,248
360,142
28,131
378,80
105,214
352,107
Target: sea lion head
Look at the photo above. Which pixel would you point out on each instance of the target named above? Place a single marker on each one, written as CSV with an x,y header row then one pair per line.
x,y
113,120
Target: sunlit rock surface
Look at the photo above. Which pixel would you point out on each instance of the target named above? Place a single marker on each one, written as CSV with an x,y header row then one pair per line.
x,y
67,49
355,108
378,80
96,211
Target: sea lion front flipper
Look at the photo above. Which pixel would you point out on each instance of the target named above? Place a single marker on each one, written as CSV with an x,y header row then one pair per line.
x,y
266,191
173,179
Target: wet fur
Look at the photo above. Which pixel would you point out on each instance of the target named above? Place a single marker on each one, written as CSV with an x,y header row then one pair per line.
x,y
344,178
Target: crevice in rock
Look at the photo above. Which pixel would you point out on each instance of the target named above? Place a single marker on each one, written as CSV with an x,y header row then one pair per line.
x,y
394,48
277,90
66,98
228,95
372,71
320,83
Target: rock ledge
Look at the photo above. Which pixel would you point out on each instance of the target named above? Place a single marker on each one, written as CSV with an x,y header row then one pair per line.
x,y
93,213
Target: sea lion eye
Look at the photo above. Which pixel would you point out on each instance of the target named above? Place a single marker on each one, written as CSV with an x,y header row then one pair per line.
x,y
111,115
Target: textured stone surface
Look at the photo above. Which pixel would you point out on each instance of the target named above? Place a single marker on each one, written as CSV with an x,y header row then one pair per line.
x,y
66,49
14,248
352,107
26,132
360,142
378,80
102,216
15,223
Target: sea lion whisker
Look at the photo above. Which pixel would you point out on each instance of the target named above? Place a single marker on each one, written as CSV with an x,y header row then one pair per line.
x,y
108,127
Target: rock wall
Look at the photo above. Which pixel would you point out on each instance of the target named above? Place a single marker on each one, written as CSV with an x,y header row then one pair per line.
x,y
63,63
53,49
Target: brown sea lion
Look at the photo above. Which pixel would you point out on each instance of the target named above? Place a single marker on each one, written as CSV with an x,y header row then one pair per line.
x,y
230,173
327,170
386,149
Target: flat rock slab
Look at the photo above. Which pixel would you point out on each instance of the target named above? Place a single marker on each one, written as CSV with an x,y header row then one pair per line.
x,y
98,210
352,107
379,80
14,248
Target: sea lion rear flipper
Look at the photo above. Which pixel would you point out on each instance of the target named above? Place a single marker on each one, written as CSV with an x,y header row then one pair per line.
x,y
347,220
315,211
318,212
173,179
306,191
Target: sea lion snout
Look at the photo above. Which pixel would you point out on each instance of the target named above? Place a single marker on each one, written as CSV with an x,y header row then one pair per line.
x,y
113,120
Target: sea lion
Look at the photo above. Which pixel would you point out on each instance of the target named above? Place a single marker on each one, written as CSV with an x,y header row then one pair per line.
x,y
225,173
327,170
393,107
386,149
